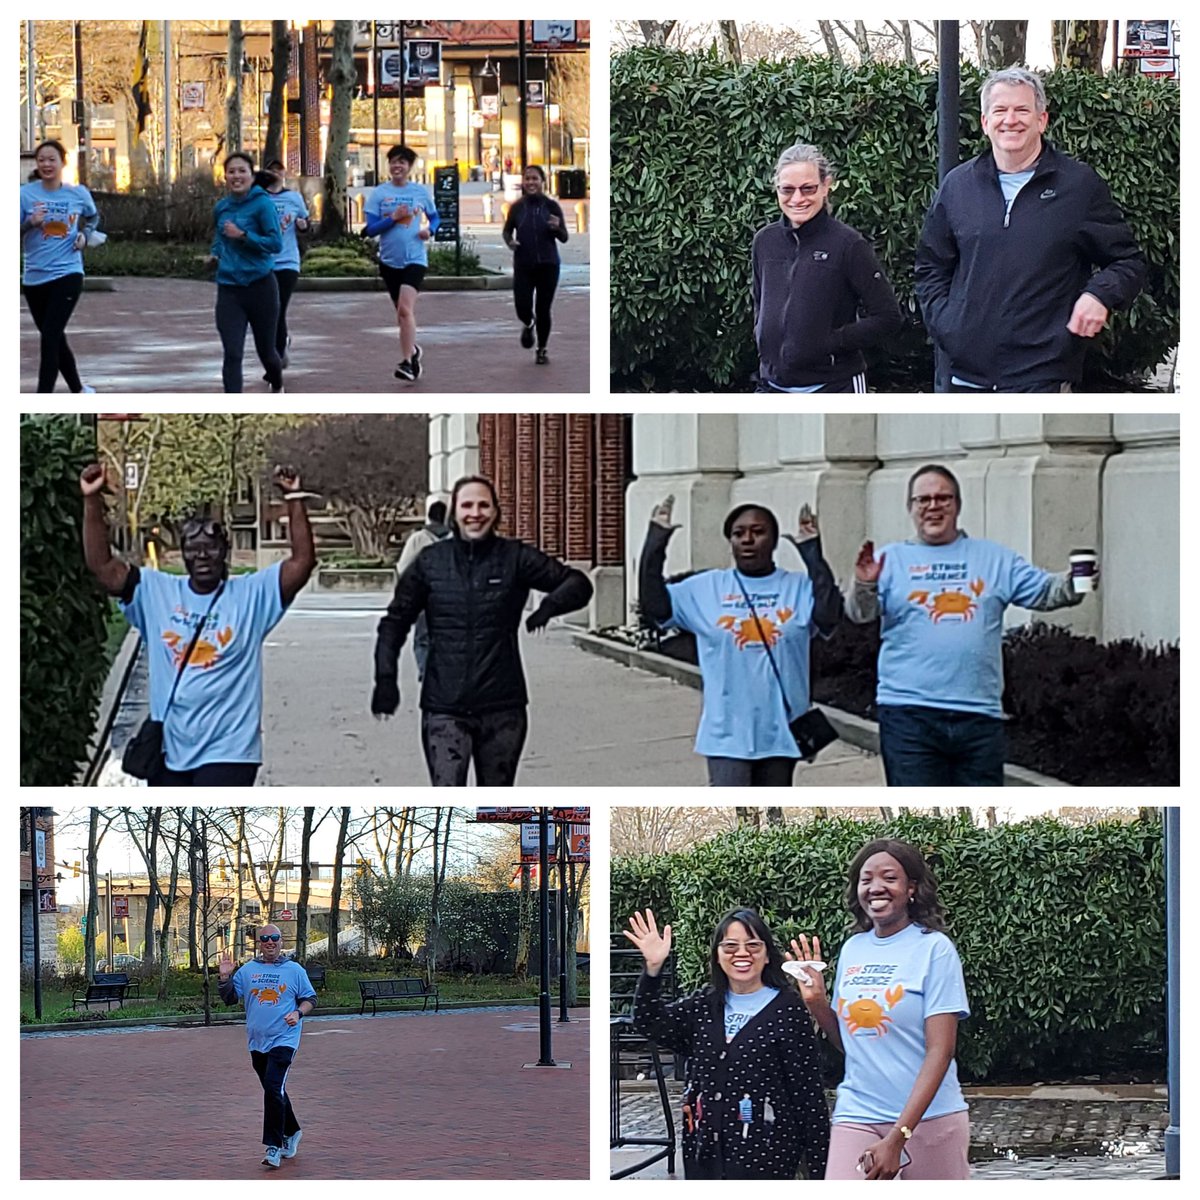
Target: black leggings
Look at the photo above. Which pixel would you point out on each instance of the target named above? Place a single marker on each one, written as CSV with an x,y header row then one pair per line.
x,y
493,740
542,279
257,305
751,772
287,284
51,305
237,774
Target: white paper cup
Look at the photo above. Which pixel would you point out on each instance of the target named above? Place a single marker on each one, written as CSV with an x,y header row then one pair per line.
x,y
1085,566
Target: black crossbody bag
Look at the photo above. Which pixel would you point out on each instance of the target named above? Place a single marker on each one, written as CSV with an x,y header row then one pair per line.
x,y
812,730
144,757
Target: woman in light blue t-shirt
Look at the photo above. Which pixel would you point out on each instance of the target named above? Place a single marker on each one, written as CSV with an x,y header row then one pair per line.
x,y
899,996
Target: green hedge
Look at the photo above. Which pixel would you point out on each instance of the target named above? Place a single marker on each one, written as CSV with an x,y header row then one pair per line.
x,y
694,143
1060,928
63,613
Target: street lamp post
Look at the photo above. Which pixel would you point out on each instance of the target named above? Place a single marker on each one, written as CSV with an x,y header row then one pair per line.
x,y
37,914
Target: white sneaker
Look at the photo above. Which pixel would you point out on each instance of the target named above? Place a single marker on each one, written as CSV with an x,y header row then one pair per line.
x,y
87,390
272,1157
290,1144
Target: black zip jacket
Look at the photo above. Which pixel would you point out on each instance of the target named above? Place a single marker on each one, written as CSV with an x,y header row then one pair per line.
x,y
654,601
473,594
772,1059
997,291
810,283
534,242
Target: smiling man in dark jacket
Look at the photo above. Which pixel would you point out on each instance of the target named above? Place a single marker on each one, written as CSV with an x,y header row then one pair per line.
x,y
1004,272
472,588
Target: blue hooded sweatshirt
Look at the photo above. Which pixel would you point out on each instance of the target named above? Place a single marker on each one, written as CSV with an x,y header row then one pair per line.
x,y
245,259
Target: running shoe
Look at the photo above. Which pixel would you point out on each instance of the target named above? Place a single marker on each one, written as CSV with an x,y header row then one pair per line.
x,y
416,361
291,1144
527,336
273,1157
87,390
279,390
405,370
542,358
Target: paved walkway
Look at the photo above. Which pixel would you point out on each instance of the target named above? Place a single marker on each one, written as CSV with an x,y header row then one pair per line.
x,y
592,722
158,335
431,1097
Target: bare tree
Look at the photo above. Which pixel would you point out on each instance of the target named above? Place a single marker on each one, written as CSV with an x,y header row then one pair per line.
x,y
658,829
233,88
335,890
342,79
748,817
281,50
775,816
193,887
443,818
831,43
99,820
306,832
1079,45
656,32
1000,44
576,882
728,45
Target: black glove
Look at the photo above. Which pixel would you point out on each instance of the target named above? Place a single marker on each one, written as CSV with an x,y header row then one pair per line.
x,y
538,619
386,697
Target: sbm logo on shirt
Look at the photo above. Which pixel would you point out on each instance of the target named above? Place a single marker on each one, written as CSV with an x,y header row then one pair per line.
x,y
204,655
957,604
755,631
58,222
866,1013
269,995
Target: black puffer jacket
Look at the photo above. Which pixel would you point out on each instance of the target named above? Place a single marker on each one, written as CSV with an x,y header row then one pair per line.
x,y
473,595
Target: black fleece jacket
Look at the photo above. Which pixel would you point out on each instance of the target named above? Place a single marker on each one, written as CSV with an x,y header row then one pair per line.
x,y
997,291
820,298
527,234
473,594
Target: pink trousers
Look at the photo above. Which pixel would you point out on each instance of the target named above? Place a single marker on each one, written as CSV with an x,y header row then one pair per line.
x,y
938,1148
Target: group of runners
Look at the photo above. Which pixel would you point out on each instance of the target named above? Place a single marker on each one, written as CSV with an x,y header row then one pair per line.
x,y
256,256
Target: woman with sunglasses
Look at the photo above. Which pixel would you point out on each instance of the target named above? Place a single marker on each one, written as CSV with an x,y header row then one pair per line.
x,y
202,634
753,1105
753,623
820,296
900,996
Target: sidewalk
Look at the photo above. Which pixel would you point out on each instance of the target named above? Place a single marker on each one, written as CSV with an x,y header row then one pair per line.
x,y
592,722
158,335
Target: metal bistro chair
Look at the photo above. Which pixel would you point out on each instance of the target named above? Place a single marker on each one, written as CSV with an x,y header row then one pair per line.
x,y
629,1048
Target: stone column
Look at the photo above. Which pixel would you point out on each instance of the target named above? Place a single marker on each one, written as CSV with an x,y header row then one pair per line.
x,y
454,449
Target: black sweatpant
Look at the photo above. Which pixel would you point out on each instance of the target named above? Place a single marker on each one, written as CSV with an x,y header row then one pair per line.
x,y
219,774
51,305
533,293
493,740
279,1121
286,281
257,305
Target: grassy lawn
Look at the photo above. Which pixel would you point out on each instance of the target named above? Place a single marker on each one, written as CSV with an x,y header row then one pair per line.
x,y
117,627
185,995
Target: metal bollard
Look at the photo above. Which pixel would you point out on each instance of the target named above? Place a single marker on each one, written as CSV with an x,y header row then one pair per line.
x,y
581,217
488,201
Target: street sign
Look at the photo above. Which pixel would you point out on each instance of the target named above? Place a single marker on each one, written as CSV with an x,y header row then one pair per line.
x,y
550,35
131,477
445,196
120,908
286,915
535,93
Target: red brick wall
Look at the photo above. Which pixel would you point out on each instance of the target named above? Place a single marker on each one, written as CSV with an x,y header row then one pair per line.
x,y
580,499
552,483
505,475
610,489
527,477
487,445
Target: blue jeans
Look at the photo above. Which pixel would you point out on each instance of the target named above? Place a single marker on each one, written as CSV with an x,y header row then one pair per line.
x,y
940,747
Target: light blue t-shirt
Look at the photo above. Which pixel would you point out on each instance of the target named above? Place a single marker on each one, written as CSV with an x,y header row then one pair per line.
x,y
400,245
744,714
49,248
943,617
216,715
289,206
741,1007
270,992
885,990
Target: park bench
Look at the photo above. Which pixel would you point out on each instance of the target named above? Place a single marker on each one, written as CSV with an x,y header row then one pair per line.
x,y
133,987
101,993
374,990
316,974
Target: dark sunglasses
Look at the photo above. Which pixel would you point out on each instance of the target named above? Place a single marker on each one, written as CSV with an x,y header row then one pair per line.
x,y
269,937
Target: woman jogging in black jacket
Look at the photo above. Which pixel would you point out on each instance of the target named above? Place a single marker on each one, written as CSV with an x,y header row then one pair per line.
x,y
820,295
753,1106
532,232
472,588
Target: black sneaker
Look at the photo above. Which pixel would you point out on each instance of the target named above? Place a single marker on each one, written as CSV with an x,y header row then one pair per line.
x,y
527,336
405,370
542,358
416,361
279,389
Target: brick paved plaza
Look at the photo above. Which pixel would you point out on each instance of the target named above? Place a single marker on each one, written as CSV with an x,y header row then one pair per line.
x,y
410,1096
159,335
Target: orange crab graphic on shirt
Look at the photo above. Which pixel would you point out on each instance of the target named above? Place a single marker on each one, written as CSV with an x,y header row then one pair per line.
x,y
204,655
269,995
866,1013
953,602
750,631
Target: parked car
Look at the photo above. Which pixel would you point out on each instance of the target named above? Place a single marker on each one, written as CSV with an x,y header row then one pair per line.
x,y
120,962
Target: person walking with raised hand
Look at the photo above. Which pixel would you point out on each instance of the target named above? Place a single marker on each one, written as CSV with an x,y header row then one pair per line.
x,y
57,220
277,996
534,227
246,239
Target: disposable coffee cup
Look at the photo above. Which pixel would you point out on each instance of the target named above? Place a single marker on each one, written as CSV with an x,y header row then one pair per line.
x,y
1085,566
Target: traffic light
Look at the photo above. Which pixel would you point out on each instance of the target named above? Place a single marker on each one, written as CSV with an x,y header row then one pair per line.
x,y
75,869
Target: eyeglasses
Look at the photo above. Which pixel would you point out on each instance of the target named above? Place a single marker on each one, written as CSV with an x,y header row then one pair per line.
x,y
269,937
943,501
734,947
196,527
808,190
